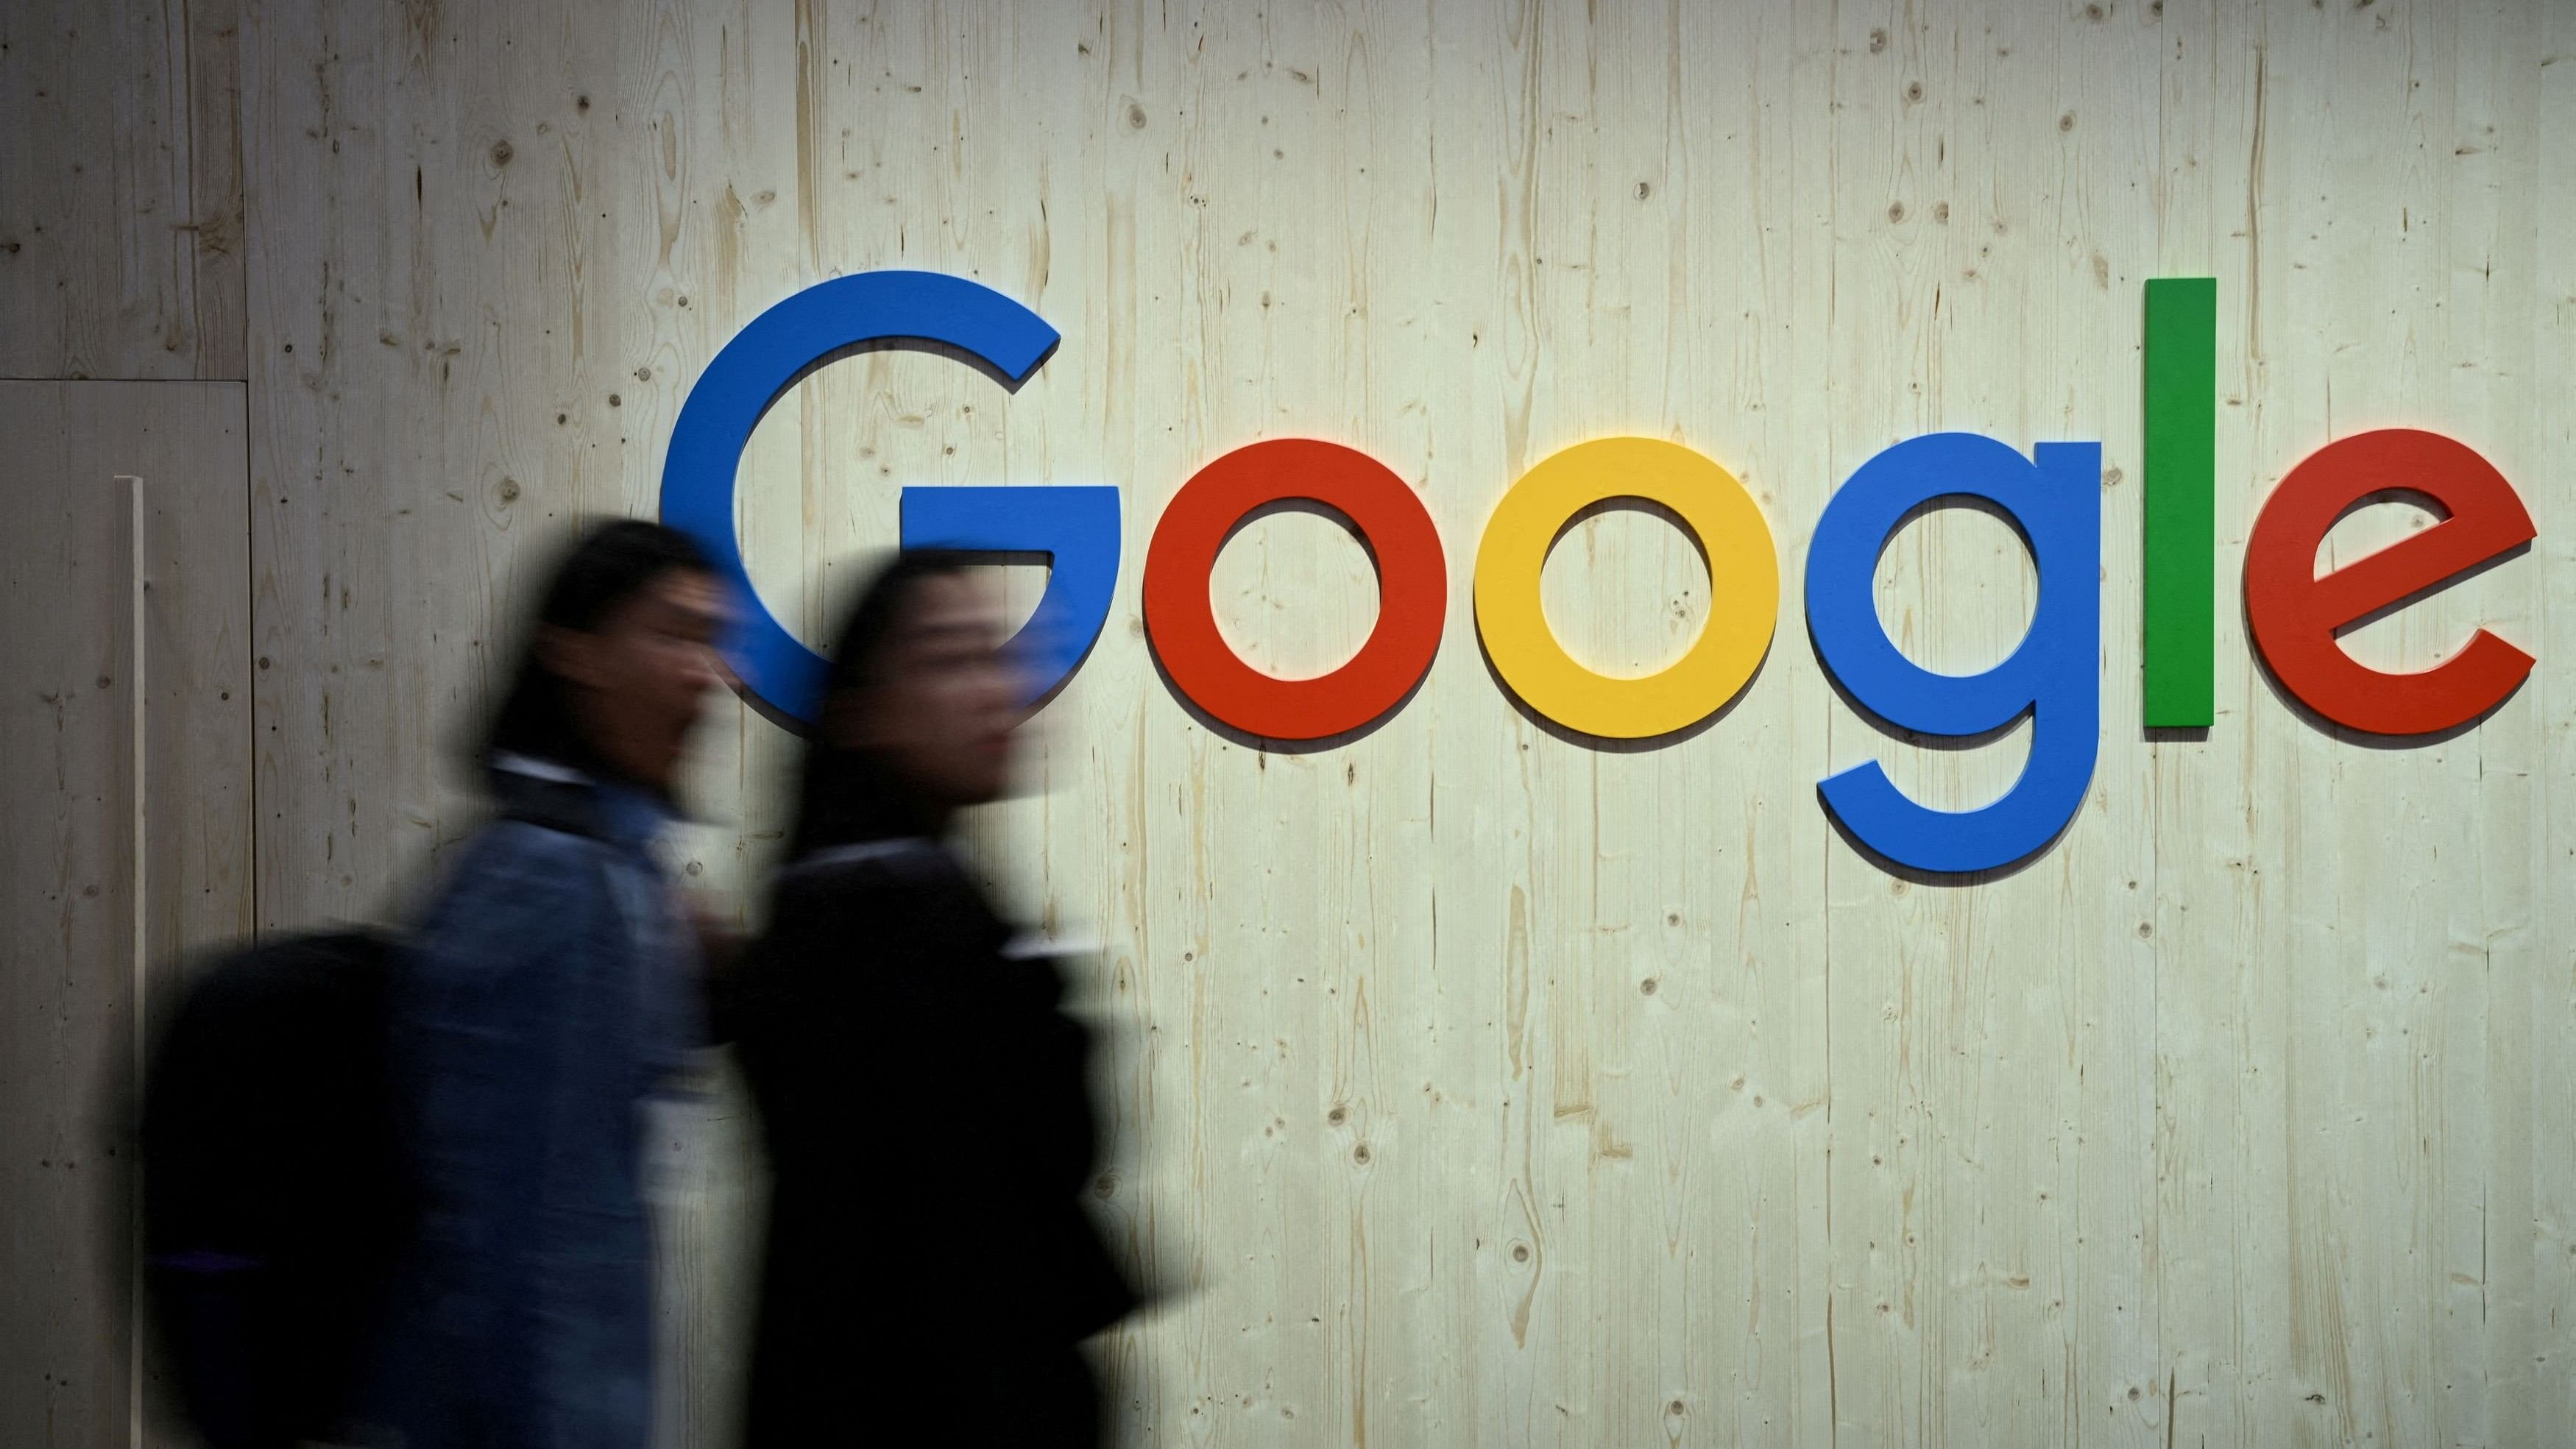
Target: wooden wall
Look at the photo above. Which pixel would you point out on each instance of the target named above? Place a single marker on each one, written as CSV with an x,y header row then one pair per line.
x,y
1491,1087
129,835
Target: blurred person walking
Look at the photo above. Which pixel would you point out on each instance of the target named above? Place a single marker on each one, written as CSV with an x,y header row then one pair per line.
x,y
551,989
930,1270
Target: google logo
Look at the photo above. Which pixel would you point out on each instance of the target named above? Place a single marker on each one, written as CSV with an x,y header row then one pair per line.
x,y
2052,496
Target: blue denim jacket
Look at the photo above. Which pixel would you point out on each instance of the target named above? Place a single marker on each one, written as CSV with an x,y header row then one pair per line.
x,y
550,993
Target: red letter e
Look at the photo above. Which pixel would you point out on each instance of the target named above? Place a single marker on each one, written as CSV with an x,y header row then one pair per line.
x,y
2295,615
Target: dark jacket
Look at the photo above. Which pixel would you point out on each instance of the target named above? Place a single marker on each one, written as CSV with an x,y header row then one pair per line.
x,y
930,1267
551,991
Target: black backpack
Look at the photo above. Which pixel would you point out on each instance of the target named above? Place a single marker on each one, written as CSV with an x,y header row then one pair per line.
x,y
276,1200
278,1192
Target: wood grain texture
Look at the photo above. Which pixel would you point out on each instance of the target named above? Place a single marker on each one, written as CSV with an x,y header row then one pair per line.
x,y
69,1006
120,190
1493,1087
70,999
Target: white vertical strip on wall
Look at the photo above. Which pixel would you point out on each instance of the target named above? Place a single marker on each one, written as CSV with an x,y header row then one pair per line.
x,y
134,683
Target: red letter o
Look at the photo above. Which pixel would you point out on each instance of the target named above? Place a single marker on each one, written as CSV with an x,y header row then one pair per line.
x,y
1413,589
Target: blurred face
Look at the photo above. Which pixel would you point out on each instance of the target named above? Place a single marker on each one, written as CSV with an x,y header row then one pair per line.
x,y
943,703
640,679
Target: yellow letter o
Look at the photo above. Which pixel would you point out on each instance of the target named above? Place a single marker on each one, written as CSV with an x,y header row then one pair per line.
x,y
1743,577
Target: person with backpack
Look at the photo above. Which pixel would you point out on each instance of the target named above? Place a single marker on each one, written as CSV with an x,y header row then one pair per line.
x,y
552,988
930,1269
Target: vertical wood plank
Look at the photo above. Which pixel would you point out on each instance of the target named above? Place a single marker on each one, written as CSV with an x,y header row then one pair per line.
x,y
2206,876
2533,1035
70,977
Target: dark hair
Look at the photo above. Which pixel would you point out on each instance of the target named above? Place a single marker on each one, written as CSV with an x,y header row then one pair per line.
x,y
848,795
607,564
